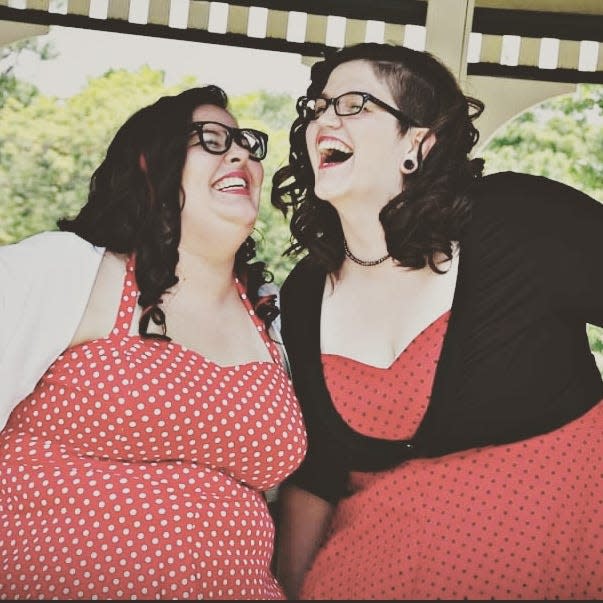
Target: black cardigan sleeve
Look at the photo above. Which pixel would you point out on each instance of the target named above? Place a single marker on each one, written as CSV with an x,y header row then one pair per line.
x,y
562,227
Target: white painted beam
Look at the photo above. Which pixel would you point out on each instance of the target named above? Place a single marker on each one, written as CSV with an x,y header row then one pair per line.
x,y
448,26
10,31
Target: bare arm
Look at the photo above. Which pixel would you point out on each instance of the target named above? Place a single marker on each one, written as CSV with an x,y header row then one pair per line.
x,y
303,521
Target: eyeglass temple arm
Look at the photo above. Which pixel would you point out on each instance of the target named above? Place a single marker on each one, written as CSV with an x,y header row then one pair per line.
x,y
395,112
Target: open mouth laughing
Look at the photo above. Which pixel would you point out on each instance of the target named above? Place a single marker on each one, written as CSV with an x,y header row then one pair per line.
x,y
234,182
333,151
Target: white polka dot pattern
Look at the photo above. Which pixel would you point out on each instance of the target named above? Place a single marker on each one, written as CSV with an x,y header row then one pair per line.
x,y
136,469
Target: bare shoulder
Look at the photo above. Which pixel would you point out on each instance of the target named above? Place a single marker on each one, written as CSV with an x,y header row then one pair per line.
x,y
102,307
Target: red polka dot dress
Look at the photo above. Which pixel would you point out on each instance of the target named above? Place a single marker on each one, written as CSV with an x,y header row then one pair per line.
x,y
514,521
137,470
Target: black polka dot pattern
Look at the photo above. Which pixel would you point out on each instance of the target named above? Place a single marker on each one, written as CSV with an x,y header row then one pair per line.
x,y
387,403
517,521
136,470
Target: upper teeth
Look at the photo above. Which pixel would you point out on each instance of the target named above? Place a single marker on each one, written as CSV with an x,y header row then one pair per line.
x,y
331,144
230,182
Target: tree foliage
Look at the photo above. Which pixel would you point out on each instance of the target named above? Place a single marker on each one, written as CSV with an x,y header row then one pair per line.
x,y
10,85
50,147
560,139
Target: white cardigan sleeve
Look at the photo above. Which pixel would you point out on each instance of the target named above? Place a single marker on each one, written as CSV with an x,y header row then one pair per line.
x,y
45,283
274,332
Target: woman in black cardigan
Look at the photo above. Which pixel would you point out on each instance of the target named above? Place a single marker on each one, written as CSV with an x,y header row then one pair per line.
x,y
436,329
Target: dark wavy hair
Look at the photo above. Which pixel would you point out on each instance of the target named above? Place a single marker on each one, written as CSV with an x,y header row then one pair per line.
x,y
135,200
429,214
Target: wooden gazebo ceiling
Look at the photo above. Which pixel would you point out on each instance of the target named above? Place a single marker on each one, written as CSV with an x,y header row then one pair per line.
x,y
575,26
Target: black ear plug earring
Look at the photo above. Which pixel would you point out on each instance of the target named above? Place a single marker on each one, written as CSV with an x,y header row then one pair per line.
x,y
409,164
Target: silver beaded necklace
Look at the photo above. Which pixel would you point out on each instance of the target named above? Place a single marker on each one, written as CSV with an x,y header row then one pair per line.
x,y
351,256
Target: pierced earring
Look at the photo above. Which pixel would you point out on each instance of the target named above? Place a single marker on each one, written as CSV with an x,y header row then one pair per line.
x,y
409,164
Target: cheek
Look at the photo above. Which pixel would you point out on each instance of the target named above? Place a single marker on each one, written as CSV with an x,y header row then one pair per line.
x,y
387,152
257,172
196,166
185,179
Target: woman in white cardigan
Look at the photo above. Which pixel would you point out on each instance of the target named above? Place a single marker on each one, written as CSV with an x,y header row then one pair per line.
x,y
147,405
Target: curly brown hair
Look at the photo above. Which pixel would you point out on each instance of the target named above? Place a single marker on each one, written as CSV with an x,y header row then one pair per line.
x,y
429,214
135,200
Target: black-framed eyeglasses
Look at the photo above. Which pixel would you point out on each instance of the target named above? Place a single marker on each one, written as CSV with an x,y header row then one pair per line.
x,y
349,103
217,138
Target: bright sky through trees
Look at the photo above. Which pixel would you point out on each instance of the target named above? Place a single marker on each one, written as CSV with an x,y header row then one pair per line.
x,y
87,53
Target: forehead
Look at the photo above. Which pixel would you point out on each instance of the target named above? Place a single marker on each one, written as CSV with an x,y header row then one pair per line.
x,y
213,113
358,76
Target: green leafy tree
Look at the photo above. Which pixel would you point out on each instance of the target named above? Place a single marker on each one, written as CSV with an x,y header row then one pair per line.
x,y
560,139
10,85
277,110
50,148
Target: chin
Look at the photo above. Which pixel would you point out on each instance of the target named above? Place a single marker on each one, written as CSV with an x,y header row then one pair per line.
x,y
247,220
328,194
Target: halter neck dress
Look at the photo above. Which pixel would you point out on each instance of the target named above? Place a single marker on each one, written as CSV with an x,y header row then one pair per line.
x,y
137,468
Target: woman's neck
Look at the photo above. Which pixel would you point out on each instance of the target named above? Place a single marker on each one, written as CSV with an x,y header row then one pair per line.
x,y
364,237
213,276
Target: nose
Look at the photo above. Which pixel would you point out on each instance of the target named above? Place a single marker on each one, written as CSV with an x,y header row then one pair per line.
x,y
236,154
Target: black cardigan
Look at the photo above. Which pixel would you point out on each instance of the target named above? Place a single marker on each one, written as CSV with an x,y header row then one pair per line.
x,y
515,361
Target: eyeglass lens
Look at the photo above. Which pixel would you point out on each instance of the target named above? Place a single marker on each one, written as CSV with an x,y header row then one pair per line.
x,y
349,103
214,138
249,140
346,104
217,138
